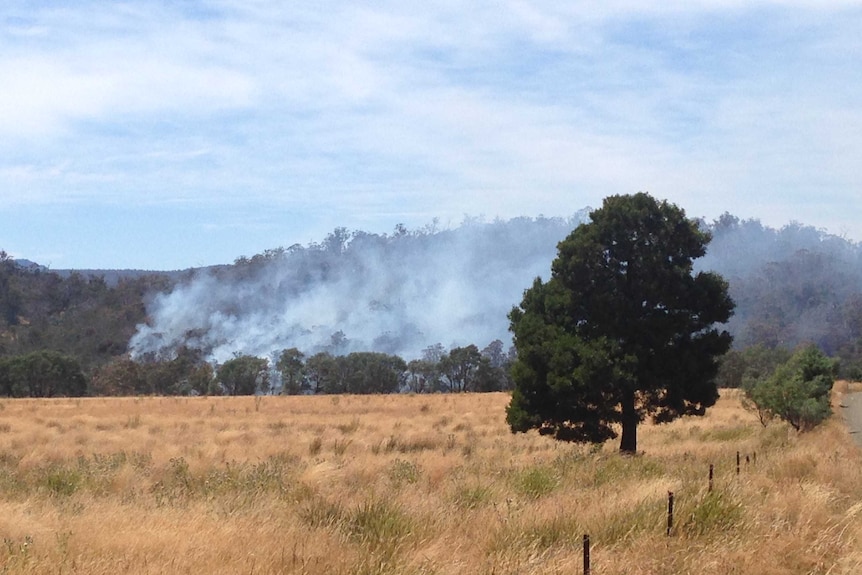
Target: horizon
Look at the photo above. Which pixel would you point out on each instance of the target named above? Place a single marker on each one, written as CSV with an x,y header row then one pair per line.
x,y
431,227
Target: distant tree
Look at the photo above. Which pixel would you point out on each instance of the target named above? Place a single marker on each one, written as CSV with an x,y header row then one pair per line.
x,y
337,241
244,375
42,374
185,374
804,297
495,376
422,376
797,392
291,367
495,354
433,353
122,376
623,329
324,374
850,366
850,350
194,375
371,372
852,314
488,378
754,362
459,367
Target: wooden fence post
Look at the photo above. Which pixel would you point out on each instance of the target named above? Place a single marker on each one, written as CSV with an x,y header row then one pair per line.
x,y
586,555
669,512
711,473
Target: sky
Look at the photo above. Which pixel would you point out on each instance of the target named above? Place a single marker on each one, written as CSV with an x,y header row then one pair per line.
x,y
173,134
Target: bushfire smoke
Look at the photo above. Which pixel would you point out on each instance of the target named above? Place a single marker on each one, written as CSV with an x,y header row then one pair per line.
x,y
403,292
355,291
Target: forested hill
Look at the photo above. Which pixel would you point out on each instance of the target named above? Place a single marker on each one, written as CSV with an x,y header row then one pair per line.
x,y
793,285
402,292
394,293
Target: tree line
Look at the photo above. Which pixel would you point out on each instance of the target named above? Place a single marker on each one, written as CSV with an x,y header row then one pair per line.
x,y
792,286
292,372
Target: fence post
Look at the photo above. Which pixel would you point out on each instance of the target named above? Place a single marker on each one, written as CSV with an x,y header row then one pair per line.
x,y
586,555
737,463
711,473
669,512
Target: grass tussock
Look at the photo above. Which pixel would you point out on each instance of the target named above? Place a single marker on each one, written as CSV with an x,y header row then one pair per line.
x,y
411,485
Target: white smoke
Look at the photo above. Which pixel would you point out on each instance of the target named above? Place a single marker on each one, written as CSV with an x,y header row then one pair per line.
x,y
357,292
400,294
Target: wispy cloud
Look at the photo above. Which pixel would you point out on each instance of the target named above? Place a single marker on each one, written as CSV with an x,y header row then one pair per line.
x,y
352,113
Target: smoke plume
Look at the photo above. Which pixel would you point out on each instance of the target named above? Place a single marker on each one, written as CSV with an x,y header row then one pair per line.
x,y
404,292
396,293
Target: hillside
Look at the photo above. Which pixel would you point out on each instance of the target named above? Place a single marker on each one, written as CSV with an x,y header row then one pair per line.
x,y
404,292
401,293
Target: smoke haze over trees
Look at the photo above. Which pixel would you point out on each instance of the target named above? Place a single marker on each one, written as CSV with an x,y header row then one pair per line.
x,y
400,293
355,291
416,294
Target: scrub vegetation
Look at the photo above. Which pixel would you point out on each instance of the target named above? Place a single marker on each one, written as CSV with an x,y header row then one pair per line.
x,y
412,484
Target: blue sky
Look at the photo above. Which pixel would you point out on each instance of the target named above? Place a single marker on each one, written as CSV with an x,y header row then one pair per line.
x,y
165,135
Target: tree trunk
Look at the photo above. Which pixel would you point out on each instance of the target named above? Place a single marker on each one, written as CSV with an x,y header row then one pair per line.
x,y
629,439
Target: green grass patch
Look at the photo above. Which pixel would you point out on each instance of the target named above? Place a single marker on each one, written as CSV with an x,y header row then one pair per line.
x,y
535,482
626,525
472,496
610,470
716,512
728,434
378,523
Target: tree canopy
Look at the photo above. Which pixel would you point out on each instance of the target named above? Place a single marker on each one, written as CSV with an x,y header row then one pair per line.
x,y
244,375
623,329
41,374
797,391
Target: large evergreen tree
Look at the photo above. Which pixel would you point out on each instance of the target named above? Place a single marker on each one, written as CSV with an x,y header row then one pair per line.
x,y
623,329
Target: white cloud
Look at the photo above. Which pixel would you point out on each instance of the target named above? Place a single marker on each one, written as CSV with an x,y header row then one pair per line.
x,y
356,113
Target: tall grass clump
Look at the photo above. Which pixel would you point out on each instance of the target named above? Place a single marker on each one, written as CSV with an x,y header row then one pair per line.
x,y
714,512
535,481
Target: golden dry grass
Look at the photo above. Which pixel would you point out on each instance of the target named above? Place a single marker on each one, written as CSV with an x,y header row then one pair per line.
x,y
411,485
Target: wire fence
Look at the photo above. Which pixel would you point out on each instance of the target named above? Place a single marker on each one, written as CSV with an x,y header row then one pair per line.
x,y
749,459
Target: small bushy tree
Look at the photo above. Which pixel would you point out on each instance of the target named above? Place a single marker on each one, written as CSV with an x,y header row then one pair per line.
x,y
244,375
421,376
291,367
796,392
42,374
459,368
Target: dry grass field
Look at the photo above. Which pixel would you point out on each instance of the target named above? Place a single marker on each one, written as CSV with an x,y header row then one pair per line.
x,y
411,485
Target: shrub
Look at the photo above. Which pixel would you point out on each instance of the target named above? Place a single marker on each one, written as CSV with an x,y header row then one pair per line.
x,y
796,392
41,374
